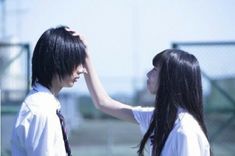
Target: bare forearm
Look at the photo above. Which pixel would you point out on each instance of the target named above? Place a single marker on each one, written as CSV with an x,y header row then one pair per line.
x,y
102,100
97,91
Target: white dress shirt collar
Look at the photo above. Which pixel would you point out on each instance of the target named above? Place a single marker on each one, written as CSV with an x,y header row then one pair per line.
x,y
180,114
39,88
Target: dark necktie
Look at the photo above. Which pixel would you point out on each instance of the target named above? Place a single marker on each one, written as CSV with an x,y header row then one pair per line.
x,y
66,142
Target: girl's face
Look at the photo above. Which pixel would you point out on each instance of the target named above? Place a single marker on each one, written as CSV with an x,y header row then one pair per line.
x,y
69,80
153,80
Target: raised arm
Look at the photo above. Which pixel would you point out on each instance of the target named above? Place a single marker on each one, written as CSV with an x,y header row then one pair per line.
x,y
101,99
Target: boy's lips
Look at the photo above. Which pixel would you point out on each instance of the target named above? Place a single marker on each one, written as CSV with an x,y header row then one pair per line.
x,y
75,79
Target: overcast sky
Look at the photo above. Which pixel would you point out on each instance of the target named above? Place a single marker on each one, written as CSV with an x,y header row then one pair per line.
x,y
124,35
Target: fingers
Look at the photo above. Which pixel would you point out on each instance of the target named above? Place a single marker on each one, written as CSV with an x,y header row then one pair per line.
x,y
74,33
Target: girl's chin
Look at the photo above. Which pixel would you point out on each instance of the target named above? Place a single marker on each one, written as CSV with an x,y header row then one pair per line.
x,y
151,91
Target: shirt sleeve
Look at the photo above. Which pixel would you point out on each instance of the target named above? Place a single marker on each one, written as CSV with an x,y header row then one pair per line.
x,y
40,135
143,116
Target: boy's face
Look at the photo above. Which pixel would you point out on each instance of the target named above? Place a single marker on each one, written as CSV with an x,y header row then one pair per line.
x,y
69,80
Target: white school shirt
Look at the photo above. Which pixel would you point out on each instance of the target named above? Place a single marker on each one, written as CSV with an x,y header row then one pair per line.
x,y
37,131
185,139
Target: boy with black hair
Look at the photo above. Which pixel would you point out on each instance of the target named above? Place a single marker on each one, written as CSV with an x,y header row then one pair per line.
x,y
57,62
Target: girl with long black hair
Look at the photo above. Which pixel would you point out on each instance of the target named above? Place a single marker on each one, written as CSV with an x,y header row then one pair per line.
x,y
175,125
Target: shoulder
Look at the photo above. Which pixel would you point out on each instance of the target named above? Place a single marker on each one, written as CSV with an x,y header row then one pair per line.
x,y
40,103
29,115
186,123
187,138
36,106
188,131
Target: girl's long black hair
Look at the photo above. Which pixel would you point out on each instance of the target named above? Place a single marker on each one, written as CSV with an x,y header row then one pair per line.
x,y
179,86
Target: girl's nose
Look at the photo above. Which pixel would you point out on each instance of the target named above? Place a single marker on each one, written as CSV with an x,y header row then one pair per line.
x,y
148,74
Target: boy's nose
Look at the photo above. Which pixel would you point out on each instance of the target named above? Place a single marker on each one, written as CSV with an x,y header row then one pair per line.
x,y
81,70
84,70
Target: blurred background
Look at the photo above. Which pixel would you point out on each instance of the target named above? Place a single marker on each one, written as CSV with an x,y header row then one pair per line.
x,y
123,36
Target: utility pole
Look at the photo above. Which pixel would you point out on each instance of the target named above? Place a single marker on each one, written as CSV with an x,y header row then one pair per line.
x,y
135,43
3,19
9,12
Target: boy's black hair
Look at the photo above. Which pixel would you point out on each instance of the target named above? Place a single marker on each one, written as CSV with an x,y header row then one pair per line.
x,y
56,52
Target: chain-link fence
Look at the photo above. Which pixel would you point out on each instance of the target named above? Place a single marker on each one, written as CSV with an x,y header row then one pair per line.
x,y
217,61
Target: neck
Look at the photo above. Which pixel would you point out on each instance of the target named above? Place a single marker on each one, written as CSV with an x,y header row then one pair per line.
x,y
55,86
55,90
